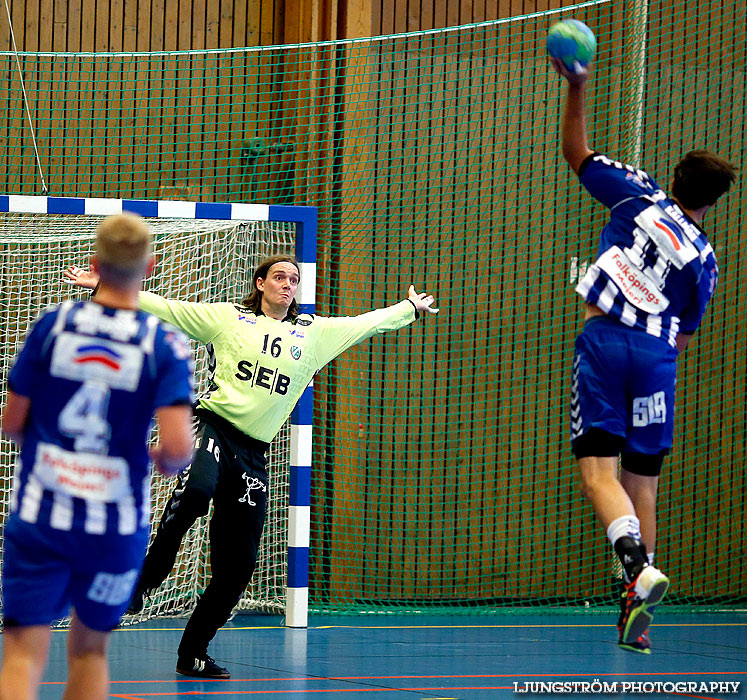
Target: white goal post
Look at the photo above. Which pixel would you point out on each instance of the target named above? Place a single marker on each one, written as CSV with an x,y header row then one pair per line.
x,y
205,252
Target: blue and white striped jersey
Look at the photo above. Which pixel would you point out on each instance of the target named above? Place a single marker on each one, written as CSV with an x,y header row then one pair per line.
x,y
655,269
94,376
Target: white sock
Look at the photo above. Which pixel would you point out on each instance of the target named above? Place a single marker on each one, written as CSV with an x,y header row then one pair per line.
x,y
650,556
624,526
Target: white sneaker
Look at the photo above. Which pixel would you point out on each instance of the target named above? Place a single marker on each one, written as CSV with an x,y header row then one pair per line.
x,y
643,595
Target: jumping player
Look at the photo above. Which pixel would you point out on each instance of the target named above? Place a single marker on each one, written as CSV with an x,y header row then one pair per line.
x,y
82,395
263,354
645,296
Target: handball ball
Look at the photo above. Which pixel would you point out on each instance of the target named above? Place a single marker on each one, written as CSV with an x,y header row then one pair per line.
x,y
572,42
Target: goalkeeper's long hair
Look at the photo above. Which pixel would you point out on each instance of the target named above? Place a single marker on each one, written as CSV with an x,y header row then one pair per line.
x,y
253,301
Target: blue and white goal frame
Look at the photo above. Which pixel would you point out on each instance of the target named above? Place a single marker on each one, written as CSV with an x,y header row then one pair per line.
x,y
305,219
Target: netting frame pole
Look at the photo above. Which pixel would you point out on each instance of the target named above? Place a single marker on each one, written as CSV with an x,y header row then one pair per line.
x,y
301,437
305,218
637,48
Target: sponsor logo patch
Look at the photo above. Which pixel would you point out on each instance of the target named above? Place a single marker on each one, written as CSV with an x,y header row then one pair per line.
x,y
89,476
98,353
638,287
118,365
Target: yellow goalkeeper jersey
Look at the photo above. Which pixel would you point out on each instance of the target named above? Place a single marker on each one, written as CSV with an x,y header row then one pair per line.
x,y
259,366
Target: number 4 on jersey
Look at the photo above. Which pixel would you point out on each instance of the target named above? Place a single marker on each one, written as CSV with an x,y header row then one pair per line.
x,y
84,418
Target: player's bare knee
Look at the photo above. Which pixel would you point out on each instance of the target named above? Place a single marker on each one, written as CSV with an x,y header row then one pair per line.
x,y
85,659
87,647
597,444
586,489
592,483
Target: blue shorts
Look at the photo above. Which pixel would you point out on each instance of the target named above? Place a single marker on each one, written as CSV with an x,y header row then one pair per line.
x,y
623,383
46,571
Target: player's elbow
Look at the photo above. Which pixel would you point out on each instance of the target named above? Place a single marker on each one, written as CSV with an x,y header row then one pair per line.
x,y
15,416
175,454
175,437
12,430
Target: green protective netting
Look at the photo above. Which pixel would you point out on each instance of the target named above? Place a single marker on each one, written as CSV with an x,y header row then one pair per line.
x,y
442,471
198,260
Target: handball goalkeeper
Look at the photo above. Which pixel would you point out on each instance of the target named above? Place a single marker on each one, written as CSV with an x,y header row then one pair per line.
x,y
262,355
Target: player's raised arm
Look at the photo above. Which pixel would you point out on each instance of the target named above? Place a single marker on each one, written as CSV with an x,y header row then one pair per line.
x,y
573,122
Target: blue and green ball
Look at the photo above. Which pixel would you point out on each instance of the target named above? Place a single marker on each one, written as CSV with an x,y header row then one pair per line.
x,y
572,42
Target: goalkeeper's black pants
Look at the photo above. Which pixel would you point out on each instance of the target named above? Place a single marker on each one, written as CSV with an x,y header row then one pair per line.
x,y
229,468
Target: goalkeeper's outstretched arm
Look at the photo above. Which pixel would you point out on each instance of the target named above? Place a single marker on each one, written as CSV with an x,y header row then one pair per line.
x,y
78,277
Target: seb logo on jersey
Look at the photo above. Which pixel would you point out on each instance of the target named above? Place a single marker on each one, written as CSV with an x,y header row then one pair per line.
x,y
266,377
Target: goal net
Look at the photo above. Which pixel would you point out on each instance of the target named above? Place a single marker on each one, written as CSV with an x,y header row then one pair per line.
x,y
197,260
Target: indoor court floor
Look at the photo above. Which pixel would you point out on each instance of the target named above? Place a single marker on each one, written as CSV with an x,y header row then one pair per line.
x,y
430,657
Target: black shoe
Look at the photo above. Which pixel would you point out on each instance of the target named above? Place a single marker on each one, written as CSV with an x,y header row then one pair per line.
x,y
202,667
138,599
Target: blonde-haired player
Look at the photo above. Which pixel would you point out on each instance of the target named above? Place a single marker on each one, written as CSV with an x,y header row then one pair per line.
x,y
82,395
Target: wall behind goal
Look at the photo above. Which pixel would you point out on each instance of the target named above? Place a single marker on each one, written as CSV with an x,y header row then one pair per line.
x,y
442,471
172,25
157,25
